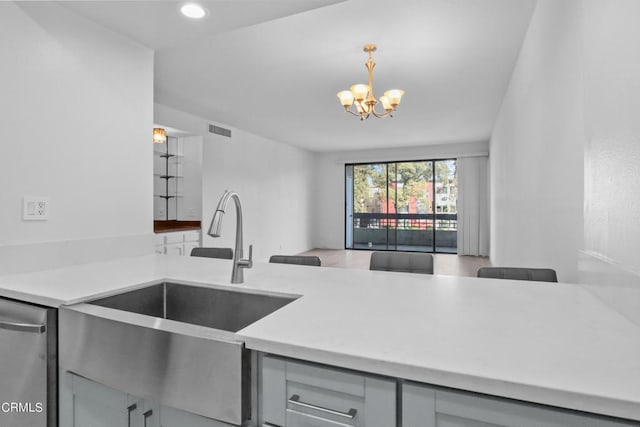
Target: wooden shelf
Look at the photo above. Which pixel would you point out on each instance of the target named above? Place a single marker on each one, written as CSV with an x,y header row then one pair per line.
x,y
173,225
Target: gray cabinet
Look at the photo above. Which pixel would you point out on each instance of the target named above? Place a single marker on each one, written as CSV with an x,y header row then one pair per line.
x,y
95,405
171,417
426,406
296,394
177,243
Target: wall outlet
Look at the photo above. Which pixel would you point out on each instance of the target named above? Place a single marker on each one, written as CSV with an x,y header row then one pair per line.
x,y
35,208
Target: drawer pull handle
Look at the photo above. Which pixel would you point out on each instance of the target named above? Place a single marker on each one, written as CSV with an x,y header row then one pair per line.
x,y
295,400
22,327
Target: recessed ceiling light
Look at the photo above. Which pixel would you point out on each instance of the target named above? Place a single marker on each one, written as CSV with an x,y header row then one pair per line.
x,y
193,10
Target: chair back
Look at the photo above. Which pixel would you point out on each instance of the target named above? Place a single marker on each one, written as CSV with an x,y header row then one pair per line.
x,y
223,253
406,262
514,273
296,259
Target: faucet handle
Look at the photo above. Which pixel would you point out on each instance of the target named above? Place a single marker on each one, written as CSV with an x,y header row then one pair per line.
x,y
247,262
250,260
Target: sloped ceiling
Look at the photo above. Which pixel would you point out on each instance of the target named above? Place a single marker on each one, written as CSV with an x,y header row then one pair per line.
x,y
276,71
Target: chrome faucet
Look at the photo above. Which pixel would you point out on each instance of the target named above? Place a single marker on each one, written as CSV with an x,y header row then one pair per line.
x,y
239,263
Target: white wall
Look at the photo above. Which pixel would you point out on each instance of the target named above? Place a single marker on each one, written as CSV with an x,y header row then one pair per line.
x,y
76,109
330,181
190,205
274,182
565,152
536,148
610,264
612,118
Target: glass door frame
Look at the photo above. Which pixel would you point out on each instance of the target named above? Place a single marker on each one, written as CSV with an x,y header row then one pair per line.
x,y
433,162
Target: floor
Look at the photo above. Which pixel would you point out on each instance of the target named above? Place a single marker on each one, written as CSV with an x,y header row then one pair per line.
x,y
449,264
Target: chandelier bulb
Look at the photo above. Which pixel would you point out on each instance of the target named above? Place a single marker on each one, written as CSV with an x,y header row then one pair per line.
x,y
159,135
359,91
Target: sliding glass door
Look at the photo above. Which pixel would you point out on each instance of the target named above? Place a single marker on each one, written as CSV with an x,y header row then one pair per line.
x,y
404,206
446,213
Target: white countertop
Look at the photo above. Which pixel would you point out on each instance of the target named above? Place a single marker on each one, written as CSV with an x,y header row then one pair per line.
x,y
548,343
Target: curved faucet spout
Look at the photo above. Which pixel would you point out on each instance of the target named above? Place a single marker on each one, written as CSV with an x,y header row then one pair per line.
x,y
239,263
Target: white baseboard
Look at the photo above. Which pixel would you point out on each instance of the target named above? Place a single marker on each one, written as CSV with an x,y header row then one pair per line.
x,y
47,255
613,283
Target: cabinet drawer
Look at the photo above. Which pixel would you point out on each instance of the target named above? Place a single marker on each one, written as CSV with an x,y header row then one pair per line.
x,y
296,393
173,238
158,239
192,236
177,249
299,419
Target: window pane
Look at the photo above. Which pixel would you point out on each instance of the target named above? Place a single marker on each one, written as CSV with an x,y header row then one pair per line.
x,y
349,207
413,184
446,211
370,206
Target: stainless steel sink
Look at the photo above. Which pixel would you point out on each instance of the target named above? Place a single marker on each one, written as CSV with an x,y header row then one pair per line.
x,y
169,342
211,307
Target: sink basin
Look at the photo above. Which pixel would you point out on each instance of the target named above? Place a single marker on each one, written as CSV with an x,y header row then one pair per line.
x,y
171,343
211,307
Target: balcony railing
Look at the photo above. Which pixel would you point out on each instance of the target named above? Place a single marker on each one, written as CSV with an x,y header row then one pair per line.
x,y
406,221
405,231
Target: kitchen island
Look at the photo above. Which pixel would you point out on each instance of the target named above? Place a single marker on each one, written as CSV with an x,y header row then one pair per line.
x,y
547,343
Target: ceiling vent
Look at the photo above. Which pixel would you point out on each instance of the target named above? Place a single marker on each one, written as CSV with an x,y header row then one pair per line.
x,y
219,131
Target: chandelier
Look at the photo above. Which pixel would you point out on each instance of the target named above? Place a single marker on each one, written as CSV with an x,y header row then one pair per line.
x,y
361,95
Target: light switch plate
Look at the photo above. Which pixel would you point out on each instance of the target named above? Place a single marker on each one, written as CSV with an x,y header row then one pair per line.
x,y
35,208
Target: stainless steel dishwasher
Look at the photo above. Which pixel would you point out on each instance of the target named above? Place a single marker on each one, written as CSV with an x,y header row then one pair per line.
x,y
28,360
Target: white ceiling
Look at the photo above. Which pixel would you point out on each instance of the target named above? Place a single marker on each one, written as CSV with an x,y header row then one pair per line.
x,y
273,69
159,25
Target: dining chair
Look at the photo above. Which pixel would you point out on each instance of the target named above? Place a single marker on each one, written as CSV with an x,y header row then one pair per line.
x,y
407,262
223,253
296,259
517,273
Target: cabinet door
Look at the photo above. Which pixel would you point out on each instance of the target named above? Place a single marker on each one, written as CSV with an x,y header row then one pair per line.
x,y
175,249
171,417
192,236
149,414
96,405
425,406
188,246
418,406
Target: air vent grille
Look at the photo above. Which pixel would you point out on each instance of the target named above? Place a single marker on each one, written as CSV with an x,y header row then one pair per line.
x,y
219,131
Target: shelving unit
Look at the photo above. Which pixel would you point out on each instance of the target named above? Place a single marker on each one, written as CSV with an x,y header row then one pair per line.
x,y
169,173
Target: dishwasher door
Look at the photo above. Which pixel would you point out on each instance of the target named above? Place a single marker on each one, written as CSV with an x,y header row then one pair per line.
x,y
28,351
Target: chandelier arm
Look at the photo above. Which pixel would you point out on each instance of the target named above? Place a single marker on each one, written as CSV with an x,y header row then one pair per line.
x,y
381,115
351,112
